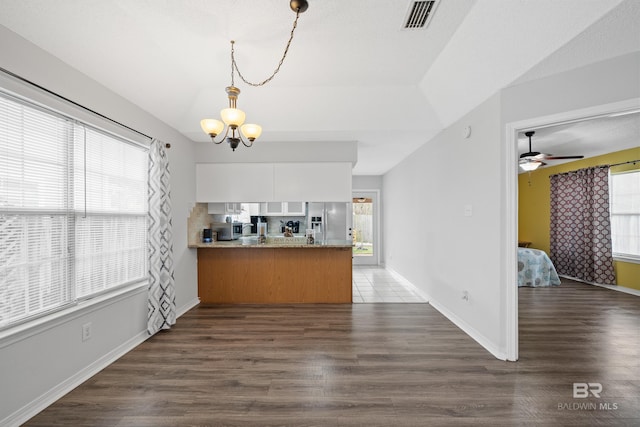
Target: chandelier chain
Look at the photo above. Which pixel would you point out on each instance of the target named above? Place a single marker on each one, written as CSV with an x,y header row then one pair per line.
x,y
284,55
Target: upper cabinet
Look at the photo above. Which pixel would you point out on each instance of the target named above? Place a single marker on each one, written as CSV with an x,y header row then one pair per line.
x,y
312,182
273,182
283,209
234,182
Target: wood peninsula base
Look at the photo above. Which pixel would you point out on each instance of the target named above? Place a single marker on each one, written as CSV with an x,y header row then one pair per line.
x,y
268,275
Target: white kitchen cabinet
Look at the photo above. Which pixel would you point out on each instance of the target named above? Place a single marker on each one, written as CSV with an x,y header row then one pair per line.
x,y
294,208
253,208
216,208
312,182
233,208
234,182
272,209
225,208
274,182
283,209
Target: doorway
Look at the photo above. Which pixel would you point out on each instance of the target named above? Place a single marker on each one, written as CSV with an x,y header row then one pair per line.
x,y
365,227
511,168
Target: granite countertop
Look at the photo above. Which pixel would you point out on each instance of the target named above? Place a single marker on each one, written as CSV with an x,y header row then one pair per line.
x,y
275,242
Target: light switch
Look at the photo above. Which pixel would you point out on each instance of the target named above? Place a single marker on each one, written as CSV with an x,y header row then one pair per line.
x,y
468,210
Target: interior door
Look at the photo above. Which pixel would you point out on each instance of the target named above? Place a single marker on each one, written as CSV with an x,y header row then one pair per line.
x,y
365,228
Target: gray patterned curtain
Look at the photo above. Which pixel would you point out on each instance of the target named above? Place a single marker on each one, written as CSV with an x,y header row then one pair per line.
x,y
580,235
162,301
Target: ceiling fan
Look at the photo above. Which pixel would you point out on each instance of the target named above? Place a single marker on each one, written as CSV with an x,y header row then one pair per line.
x,y
531,160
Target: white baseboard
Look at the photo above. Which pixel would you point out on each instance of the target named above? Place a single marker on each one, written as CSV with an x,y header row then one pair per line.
x,y
466,328
400,278
618,288
36,406
188,306
469,330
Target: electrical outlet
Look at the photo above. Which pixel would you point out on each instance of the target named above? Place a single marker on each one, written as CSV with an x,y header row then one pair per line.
x,y
86,331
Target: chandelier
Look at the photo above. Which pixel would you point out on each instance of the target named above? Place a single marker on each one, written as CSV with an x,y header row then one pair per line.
x,y
233,117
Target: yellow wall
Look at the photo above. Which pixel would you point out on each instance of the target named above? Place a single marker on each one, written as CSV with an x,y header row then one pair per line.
x,y
534,210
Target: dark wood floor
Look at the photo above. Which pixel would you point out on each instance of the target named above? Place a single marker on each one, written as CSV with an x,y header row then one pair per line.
x,y
372,365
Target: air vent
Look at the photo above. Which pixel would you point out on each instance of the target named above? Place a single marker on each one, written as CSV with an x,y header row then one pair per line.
x,y
419,14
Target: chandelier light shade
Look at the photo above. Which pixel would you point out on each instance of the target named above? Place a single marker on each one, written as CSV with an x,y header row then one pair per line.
x,y
251,131
212,127
232,117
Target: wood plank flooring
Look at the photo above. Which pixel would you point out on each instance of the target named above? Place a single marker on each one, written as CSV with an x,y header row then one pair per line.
x,y
372,365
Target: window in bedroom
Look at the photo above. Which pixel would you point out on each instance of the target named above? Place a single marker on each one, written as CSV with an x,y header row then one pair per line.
x,y
73,210
625,215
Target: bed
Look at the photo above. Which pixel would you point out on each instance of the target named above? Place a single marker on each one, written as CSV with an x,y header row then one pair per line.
x,y
536,269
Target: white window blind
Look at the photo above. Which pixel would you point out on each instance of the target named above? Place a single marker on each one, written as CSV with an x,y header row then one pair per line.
x,y
625,214
110,204
72,211
34,212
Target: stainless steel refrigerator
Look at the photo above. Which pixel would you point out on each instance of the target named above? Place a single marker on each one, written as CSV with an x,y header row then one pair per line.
x,y
330,220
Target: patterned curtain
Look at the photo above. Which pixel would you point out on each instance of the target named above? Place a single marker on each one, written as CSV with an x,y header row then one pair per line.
x,y
162,301
580,225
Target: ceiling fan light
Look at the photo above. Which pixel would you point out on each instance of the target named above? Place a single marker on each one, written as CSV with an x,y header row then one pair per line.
x,y
251,131
530,166
233,117
211,127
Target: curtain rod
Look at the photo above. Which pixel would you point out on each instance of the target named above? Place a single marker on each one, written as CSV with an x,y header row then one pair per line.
x,y
625,163
598,166
64,98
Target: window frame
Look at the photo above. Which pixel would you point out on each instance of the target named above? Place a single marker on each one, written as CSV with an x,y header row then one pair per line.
x,y
620,256
70,308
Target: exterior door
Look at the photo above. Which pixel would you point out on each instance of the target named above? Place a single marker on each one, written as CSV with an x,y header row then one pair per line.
x,y
365,228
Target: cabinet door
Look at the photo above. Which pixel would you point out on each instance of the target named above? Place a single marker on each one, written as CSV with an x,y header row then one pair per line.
x,y
273,208
234,182
216,208
294,208
313,182
253,208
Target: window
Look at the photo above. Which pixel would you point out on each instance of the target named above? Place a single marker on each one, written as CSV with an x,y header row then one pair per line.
x,y
625,215
73,207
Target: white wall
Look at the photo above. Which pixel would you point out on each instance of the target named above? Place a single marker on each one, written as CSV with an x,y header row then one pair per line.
x,y
428,238
447,252
604,82
366,182
40,365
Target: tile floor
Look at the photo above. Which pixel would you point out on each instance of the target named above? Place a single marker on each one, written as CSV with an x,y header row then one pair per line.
x,y
375,284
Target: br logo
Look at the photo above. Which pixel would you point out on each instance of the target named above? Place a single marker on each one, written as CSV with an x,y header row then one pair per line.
x,y
583,390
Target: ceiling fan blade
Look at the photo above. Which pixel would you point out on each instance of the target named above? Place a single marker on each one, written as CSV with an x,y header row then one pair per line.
x,y
562,157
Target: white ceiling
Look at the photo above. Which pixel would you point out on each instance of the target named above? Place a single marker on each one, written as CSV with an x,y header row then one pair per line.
x,y
352,73
589,138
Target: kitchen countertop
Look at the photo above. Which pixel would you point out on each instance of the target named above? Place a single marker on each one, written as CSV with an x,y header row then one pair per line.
x,y
274,242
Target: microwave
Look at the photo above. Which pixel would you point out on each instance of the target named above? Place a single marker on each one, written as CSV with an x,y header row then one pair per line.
x,y
227,230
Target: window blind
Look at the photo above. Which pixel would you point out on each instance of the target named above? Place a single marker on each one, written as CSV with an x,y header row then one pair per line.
x,y
110,204
35,214
73,209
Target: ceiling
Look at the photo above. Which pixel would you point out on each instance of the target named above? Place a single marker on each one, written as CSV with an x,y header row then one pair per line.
x,y
352,72
589,137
